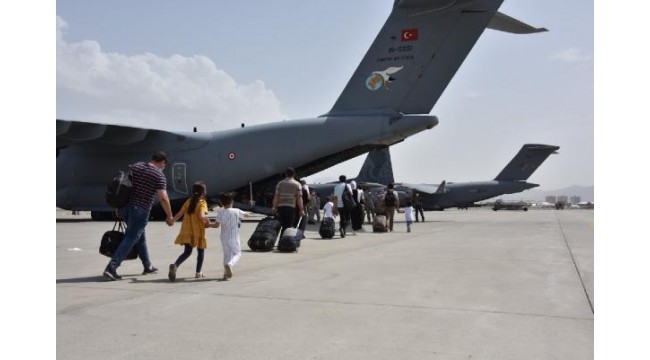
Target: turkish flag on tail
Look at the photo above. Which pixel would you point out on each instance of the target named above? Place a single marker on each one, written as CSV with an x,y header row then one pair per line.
x,y
409,35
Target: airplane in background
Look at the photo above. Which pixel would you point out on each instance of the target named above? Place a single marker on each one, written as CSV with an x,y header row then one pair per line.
x,y
388,98
375,173
512,179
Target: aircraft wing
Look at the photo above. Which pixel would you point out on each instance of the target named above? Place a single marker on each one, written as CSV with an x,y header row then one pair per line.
x,y
423,188
70,131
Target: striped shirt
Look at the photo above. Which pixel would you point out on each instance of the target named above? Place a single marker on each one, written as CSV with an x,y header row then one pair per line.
x,y
147,179
289,190
229,220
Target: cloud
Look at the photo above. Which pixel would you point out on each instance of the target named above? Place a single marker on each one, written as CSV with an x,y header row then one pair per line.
x,y
174,93
571,55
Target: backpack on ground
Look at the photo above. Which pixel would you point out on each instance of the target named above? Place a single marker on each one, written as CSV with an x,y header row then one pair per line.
x,y
118,191
327,228
265,234
389,199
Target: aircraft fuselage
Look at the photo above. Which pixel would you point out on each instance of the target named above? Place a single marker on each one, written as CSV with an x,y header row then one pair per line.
x,y
229,160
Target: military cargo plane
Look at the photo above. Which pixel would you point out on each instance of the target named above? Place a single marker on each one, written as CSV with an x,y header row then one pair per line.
x,y
377,172
512,179
389,97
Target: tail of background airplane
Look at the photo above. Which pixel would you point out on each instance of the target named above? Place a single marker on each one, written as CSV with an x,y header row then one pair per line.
x,y
377,168
416,54
527,160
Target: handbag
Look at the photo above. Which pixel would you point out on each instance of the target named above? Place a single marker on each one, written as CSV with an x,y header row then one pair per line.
x,y
112,239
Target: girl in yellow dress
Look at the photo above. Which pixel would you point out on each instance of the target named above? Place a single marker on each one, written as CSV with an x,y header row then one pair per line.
x,y
192,234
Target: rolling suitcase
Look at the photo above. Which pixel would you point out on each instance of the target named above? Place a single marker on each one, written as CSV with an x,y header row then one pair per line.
x,y
265,234
327,228
379,225
290,240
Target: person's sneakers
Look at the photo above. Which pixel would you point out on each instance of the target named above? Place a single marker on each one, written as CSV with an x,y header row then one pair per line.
x,y
172,272
227,274
111,274
150,270
342,233
199,275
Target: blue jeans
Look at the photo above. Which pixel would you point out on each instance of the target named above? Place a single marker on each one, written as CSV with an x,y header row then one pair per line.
x,y
136,220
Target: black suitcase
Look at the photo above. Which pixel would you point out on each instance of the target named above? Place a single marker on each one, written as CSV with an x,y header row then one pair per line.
x,y
263,238
290,240
112,240
327,228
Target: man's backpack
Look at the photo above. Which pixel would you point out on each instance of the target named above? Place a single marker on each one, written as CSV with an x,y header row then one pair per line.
x,y
348,201
119,190
389,199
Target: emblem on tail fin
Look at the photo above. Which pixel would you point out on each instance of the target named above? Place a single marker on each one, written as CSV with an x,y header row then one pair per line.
x,y
381,78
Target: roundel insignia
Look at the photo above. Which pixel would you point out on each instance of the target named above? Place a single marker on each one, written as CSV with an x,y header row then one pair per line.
x,y
374,82
231,156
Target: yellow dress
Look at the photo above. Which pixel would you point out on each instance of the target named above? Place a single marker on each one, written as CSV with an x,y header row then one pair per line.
x,y
193,229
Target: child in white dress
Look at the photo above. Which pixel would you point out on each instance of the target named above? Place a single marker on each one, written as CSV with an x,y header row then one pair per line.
x,y
229,219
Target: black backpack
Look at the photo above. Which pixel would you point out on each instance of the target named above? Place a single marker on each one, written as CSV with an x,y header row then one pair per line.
x,y
119,190
348,202
389,199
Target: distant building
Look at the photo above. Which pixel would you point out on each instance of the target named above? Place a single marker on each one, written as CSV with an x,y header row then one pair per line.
x,y
551,199
562,199
575,199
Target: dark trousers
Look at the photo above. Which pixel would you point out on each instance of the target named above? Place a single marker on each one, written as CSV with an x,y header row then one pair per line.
x,y
418,209
345,217
287,217
187,252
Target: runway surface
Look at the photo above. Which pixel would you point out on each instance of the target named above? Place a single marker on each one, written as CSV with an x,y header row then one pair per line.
x,y
465,284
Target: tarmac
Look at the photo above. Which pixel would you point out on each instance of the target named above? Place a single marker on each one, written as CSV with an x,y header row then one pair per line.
x,y
464,284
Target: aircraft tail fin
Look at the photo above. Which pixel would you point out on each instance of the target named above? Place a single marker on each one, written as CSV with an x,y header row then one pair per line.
x,y
377,168
416,54
442,188
527,160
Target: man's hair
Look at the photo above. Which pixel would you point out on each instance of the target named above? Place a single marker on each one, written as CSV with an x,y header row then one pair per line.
x,y
342,178
290,172
159,156
390,186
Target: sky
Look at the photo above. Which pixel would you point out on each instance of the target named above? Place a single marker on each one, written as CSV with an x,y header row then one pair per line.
x,y
174,65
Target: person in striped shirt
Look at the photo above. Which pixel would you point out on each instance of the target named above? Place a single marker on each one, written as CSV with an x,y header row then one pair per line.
x,y
148,181
229,220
